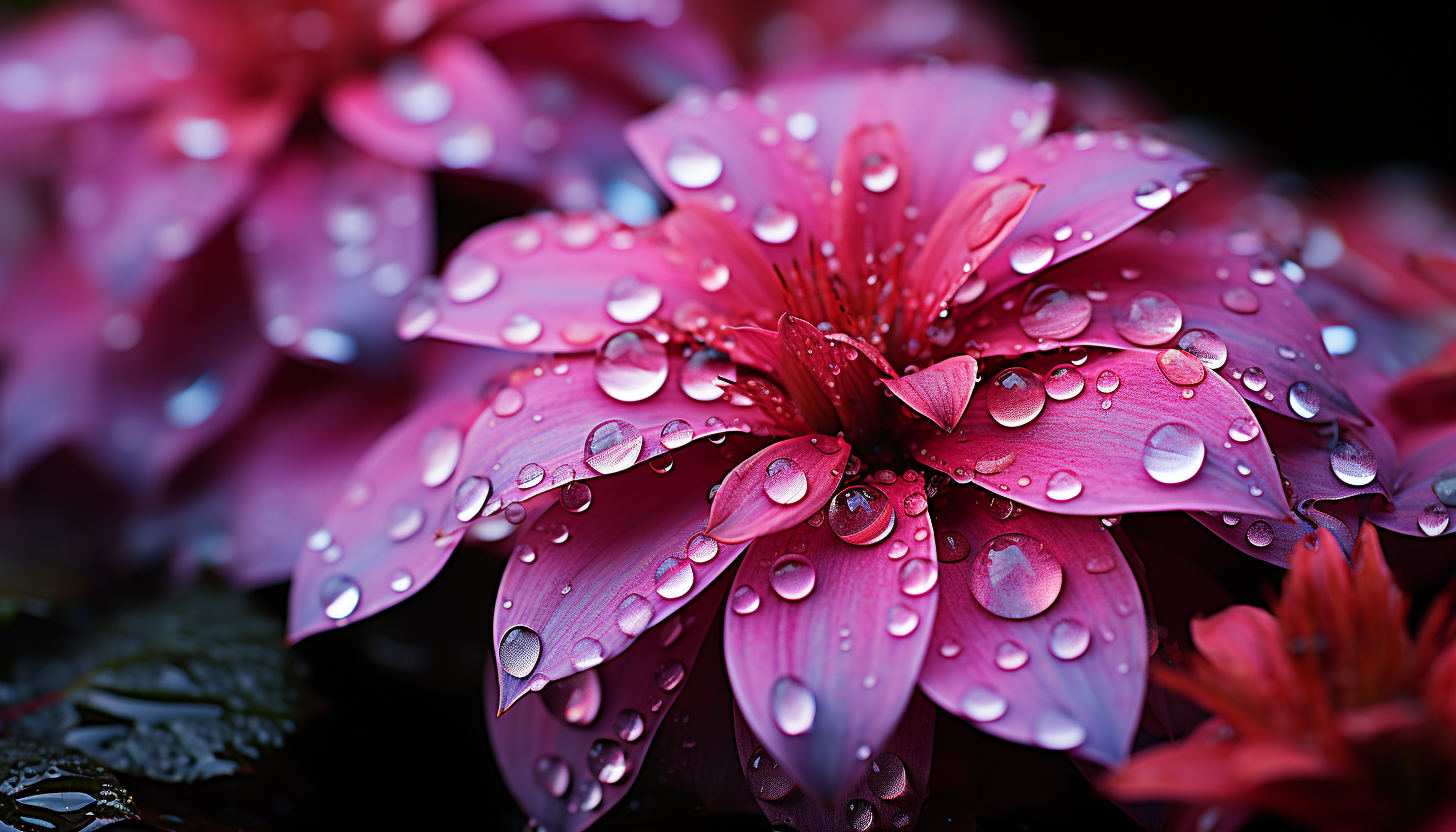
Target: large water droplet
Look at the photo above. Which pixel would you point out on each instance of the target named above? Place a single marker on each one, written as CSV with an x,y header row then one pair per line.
x,y
1181,368
1016,397
632,301
981,704
1434,519
634,614
339,595
552,775
951,546
859,815
576,497
1173,454
674,577
607,760
669,674
887,778
1011,656
676,434
629,724
712,274
1055,311
520,649
631,366
404,521
1353,463
469,278
785,482
878,173
700,374
1031,255
901,621
767,780
1108,381
918,576
701,548
1152,195
470,498
1205,346
1303,400
520,329
612,446
792,577
586,653
530,475
745,600
1243,429
1014,576
1054,729
1260,533
1069,639
1064,382
1062,486
1148,319
861,515
773,223
793,706
691,165
1339,339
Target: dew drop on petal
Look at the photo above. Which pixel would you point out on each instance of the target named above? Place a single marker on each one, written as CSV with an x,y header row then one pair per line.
x,y
1353,463
901,621
1016,397
1181,368
1152,195
520,329
951,546
1069,639
701,548
1064,382
1205,346
520,650
1011,656
1055,311
1303,400
691,165
918,576
339,596
773,223
469,278
700,373
887,777
1014,576
745,600
792,577
1434,519
1055,730
530,475
1063,486
1099,564
669,674
586,653
1243,429
629,724
1148,319
1031,255
470,497
994,462
1260,533
793,706
612,446
861,515
607,761
634,614
878,173
981,704
576,497
552,775
674,577
1173,454
785,482
631,366
676,434
404,521
1240,299
1254,379
767,780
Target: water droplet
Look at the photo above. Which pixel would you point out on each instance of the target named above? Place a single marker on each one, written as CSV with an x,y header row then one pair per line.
x,y
1108,381
1260,533
767,780
552,775
669,674
339,595
1240,299
878,173
514,512
1339,339
607,761
676,434
859,815
792,577
918,576
470,497
1243,429
701,548
1011,656
690,165
1016,397
674,577
745,600
1152,195
1180,367
520,329
988,159
1063,486
404,521
1434,519
793,706
1014,576
586,653
1443,485
785,482
469,278
952,547
1303,400
901,621
320,540
981,704
520,649
700,373
629,724
1055,311
576,497
1054,729
861,515
631,366
1064,382
613,446
634,614
1173,454
1031,255
1353,463
1148,319
994,462
196,403
1205,346
1069,639
530,476
887,778
401,581
773,223
1254,379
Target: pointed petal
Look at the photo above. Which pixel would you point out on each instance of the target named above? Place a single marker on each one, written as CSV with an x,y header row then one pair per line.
x,y
1098,185
1068,677
820,677
837,374
876,175
887,795
375,546
447,105
582,432
1266,538
1332,461
336,240
567,765
754,347
1424,490
1256,316
778,487
587,582
939,392
1097,454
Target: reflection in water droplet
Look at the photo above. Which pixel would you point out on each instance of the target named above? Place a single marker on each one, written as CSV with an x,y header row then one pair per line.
x,y
1181,368
1173,454
552,775
470,498
530,475
1031,255
1014,576
404,521
768,781
1148,319
901,621
1064,382
1011,656
1069,639
700,372
631,300
952,547
981,704
1303,400
1054,729
745,600
520,329
613,446
887,778
1016,397
674,577
629,725
1434,519
793,706
631,366
468,278
1108,381
1260,533
339,595
1353,463
400,580
676,434
861,515
773,223
1243,429
994,462
1063,486
690,165
1055,311
792,577
878,173
1152,195
785,482
520,649
634,614
701,548
607,760
669,674
576,497
859,814
1205,346
918,576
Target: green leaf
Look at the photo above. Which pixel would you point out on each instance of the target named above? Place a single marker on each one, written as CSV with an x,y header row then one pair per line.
x,y
195,686
49,789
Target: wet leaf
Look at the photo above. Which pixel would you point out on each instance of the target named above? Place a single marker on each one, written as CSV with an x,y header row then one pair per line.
x,y
48,789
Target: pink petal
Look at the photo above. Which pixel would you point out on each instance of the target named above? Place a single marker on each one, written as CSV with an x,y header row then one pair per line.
x,y
754,347
555,750
1092,193
550,283
585,583
939,392
1096,454
524,457
1068,677
778,487
376,546
823,680
449,105
876,175
1416,508
1277,332
830,381
891,789
337,239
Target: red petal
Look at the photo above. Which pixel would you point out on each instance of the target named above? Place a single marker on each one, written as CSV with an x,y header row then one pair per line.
x,y
889,792
939,392
819,371
541,747
765,494
337,239
1079,442
1415,508
629,560
1043,699
822,680
376,545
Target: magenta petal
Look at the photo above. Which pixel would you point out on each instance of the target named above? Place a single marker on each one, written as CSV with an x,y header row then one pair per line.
x,y
1098,454
939,392
1070,676
1425,489
337,239
1332,461
1254,315
450,105
1097,185
571,753
552,283
887,795
778,487
585,582
824,679
831,379
376,546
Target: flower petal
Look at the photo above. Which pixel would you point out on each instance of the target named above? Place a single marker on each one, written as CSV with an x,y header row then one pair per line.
x,y
585,582
837,372
778,487
1242,322
448,105
572,753
1144,447
1418,507
376,545
939,392
336,241
1070,676
823,680
888,794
